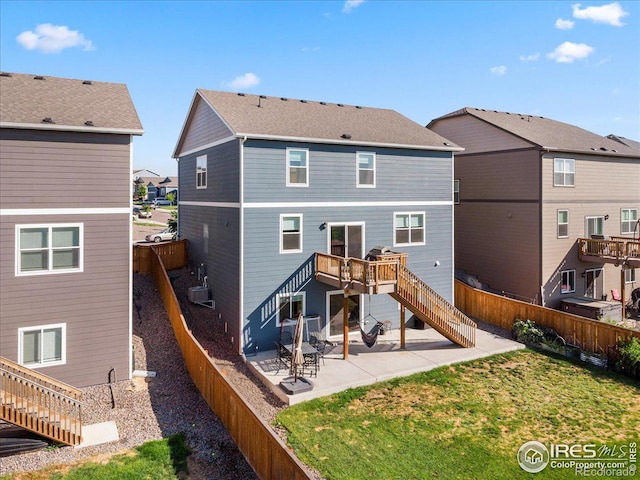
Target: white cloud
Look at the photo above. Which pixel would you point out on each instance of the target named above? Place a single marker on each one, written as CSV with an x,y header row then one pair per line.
x,y
609,14
569,51
499,70
53,39
529,58
351,4
242,82
562,24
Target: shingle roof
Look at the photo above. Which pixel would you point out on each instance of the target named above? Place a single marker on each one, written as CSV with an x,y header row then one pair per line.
x,y
625,141
262,116
68,104
547,133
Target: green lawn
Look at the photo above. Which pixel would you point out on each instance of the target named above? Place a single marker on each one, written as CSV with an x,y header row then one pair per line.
x,y
465,421
161,459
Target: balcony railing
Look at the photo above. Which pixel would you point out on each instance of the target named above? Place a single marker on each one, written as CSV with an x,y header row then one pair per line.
x,y
617,250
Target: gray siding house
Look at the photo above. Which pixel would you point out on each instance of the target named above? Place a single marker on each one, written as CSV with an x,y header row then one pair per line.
x,y
266,182
65,254
528,188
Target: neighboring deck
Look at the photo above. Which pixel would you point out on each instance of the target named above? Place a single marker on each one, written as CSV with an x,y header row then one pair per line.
x,y
616,250
390,275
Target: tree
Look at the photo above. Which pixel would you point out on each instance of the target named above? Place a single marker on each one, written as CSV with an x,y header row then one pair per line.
x,y
172,223
171,197
141,191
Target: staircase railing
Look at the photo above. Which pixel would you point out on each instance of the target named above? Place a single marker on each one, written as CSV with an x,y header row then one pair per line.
x,y
39,403
429,306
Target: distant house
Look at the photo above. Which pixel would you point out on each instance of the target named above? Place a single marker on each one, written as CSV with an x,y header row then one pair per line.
x,y
65,253
157,186
528,189
267,184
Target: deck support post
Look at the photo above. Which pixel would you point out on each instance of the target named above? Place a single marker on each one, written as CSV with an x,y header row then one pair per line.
x,y
622,292
402,326
345,326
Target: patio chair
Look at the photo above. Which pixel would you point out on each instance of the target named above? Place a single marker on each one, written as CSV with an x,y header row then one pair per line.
x,y
316,337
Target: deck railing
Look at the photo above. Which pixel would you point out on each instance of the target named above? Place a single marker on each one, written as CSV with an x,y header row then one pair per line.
x,y
432,308
617,249
408,289
39,403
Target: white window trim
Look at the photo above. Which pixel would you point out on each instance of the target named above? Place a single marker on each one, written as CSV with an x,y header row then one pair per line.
x,y
574,281
288,168
456,183
424,229
558,223
586,225
62,361
289,295
564,172
50,271
632,231
365,185
206,171
632,275
281,233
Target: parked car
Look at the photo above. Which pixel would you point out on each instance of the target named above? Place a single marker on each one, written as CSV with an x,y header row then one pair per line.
x,y
160,236
162,202
141,213
150,203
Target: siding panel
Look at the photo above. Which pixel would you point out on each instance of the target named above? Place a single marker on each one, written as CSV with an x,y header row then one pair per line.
x,y
205,127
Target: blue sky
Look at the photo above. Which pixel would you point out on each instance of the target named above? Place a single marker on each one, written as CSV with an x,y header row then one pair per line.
x,y
569,61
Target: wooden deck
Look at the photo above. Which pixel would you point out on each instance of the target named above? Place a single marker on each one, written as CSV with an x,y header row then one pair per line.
x,y
392,277
616,250
39,403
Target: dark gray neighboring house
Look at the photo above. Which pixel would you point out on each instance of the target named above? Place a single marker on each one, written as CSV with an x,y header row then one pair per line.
x,y
528,188
65,253
266,182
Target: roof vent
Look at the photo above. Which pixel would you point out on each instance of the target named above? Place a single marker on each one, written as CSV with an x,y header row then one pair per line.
x,y
38,77
446,143
89,123
263,96
303,101
284,99
241,94
614,150
358,107
340,104
592,148
87,82
5,74
323,103
603,149
47,120
346,135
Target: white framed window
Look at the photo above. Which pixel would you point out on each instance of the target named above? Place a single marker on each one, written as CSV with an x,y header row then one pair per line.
x,y
409,228
594,226
630,275
568,281
564,172
290,233
366,168
456,191
297,167
290,305
42,346
201,171
628,220
49,249
563,223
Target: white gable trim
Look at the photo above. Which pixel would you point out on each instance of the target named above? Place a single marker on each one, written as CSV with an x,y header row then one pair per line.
x,y
204,147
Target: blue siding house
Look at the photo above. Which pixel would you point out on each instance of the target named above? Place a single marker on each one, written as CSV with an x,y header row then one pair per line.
x,y
267,184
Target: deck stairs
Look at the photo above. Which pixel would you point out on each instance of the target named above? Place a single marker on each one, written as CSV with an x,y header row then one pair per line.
x,y
40,404
394,278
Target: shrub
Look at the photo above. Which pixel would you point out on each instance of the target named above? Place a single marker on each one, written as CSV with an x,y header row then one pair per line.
x,y
630,352
526,331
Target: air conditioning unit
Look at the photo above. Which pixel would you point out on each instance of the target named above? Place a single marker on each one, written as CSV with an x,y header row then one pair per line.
x,y
199,294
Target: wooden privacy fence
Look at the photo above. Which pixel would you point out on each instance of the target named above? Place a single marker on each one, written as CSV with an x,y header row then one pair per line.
x,y
589,335
263,449
172,254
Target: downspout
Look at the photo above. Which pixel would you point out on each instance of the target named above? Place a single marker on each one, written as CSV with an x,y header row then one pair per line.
x,y
540,235
130,366
241,245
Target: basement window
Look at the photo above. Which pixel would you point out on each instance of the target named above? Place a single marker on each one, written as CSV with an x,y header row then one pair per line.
x,y
42,346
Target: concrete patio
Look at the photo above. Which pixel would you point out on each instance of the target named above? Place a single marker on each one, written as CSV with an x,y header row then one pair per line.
x,y
425,350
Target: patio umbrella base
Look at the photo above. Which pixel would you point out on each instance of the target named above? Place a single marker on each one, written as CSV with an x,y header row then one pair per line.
x,y
292,385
